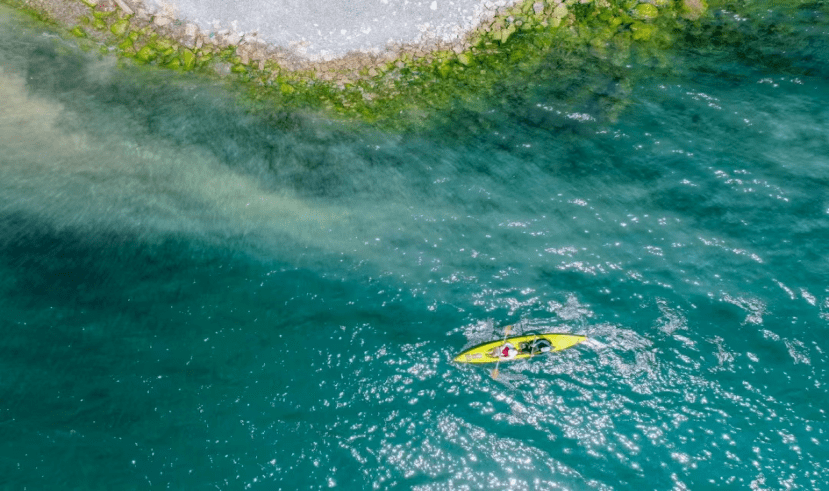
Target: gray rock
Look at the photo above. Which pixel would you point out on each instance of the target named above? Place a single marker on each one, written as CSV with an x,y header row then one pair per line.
x,y
123,6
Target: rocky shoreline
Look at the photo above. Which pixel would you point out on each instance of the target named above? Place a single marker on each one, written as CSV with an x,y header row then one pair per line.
x,y
125,16
359,83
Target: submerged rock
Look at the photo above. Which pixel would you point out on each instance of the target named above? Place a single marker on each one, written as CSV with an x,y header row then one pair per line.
x,y
538,7
120,28
188,59
146,54
78,31
693,9
642,31
645,11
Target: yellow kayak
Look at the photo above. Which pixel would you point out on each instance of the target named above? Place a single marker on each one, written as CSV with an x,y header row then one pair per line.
x,y
526,346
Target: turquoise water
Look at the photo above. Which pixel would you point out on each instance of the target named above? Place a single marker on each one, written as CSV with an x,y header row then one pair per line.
x,y
192,297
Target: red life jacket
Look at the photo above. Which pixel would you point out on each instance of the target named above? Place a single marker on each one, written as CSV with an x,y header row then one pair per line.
x,y
505,351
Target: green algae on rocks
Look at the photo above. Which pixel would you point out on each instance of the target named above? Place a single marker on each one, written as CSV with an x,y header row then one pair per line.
x,y
511,47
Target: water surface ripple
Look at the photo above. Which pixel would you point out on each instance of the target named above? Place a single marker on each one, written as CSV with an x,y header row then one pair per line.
x,y
192,297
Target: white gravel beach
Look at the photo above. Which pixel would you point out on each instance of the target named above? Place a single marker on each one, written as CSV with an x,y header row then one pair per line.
x,y
323,30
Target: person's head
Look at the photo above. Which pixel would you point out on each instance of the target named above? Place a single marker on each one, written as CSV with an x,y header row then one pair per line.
x,y
512,351
545,349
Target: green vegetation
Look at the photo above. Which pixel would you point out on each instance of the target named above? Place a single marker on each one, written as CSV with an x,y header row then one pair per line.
x,y
540,38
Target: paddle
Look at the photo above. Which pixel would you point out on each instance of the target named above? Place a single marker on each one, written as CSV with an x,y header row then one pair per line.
x,y
507,330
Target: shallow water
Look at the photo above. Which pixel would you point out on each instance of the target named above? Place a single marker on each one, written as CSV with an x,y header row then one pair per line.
x,y
192,297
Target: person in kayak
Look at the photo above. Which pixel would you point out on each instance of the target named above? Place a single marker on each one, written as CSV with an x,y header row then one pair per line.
x,y
536,347
506,351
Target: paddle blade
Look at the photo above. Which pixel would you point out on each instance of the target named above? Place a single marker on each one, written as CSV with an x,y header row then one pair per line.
x,y
507,330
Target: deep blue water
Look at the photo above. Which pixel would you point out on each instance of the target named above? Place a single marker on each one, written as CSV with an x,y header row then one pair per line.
x,y
193,297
